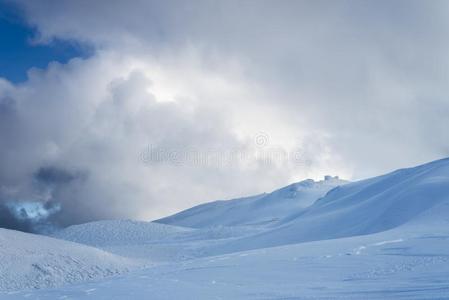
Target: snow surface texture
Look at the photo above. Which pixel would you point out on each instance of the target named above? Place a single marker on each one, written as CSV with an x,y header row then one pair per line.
x,y
33,261
110,233
381,238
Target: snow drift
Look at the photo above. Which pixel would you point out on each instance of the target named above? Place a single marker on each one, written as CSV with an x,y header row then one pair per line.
x,y
118,232
35,261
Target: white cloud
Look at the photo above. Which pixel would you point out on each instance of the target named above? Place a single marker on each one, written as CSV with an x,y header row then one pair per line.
x,y
92,121
356,88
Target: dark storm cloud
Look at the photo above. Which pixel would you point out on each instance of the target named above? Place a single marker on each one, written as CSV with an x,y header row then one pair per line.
x,y
9,220
29,216
38,207
54,176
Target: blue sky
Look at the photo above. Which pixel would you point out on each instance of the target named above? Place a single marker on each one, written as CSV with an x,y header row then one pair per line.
x,y
18,54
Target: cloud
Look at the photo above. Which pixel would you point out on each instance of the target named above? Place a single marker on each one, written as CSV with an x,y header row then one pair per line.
x,y
350,70
168,111
28,216
79,132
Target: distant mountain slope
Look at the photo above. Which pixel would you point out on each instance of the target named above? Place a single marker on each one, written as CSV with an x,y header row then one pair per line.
x,y
415,196
34,261
259,209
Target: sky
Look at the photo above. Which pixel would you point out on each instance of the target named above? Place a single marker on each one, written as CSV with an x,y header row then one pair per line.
x,y
138,109
18,53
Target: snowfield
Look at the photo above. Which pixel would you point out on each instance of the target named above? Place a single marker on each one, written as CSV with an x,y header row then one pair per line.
x,y
382,238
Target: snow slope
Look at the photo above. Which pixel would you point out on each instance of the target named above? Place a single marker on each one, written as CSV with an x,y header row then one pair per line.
x,y
151,241
255,210
418,196
35,261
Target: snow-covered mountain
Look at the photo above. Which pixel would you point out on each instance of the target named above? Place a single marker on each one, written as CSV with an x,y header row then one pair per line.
x,y
416,195
382,238
255,210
